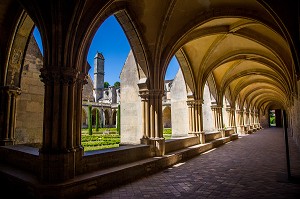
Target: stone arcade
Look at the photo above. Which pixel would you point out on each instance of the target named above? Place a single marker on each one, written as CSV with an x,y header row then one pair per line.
x,y
238,60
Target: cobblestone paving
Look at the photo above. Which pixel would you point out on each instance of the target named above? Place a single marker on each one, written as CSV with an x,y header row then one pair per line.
x,y
253,166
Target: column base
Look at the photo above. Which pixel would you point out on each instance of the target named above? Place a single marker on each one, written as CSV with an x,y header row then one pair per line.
x,y
241,130
223,132
157,146
202,137
57,166
7,142
145,141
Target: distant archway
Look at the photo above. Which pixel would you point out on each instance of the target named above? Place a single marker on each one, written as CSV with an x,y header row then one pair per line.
x,y
167,117
84,118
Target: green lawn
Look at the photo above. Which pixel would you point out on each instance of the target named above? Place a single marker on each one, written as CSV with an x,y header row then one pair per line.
x,y
106,138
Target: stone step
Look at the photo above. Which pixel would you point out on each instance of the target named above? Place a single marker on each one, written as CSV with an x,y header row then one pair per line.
x,y
103,179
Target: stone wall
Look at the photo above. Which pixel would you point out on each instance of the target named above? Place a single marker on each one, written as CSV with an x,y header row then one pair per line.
x,y
131,110
208,122
179,108
264,121
294,118
87,92
30,104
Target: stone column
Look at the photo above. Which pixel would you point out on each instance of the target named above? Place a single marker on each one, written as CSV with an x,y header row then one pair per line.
x,y
240,120
9,95
61,123
257,120
252,122
195,118
81,80
152,121
231,118
218,118
246,122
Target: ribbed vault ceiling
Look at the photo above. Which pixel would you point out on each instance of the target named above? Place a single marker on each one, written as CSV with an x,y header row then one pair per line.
x,y
238,47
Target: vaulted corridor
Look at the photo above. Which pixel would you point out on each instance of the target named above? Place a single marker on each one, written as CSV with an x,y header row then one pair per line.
x,y
253,166
240,72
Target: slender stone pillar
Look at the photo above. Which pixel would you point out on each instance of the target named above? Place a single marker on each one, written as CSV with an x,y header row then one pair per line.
x,y
152,121
196,118
240,120
61,118
81,80
231,118
257,120
9,95
218,118
246,122
251,121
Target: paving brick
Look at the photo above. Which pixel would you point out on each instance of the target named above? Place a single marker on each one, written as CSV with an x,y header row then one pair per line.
x,y
251,167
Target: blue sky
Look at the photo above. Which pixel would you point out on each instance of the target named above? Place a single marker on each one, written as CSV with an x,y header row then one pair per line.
x,y
111,41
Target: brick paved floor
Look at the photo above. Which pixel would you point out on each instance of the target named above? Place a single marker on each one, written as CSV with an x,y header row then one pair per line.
x,y
253,166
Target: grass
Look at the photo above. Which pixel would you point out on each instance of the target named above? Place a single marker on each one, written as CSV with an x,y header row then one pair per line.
x,y
106,138
167,133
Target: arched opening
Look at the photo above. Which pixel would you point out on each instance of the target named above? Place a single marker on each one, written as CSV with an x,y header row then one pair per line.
x,y
208,122
94,112
167,117
106,118
275,118
175,111
84,119
114,118
30,103
106,56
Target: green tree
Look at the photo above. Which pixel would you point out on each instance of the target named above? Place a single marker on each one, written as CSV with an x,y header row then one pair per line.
x,y
106,85
117,84
97,120
90,120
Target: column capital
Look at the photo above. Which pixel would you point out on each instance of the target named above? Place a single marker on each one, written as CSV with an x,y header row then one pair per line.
x,y
65,75
193,102
146,93
82,78
240,111
10,89
215,106
230,109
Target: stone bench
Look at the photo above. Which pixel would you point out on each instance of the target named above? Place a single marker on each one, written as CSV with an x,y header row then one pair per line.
x,y
229,131
209,136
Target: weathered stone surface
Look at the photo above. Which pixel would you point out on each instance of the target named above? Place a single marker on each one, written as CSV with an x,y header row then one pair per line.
x,y
208,123
131,129
264,121
294,120
179,109
30,104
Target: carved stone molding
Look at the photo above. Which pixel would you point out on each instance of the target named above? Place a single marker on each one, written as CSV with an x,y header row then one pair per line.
x,y
65,75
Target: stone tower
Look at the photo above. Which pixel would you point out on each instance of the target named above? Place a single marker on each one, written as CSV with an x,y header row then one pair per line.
x,y
98,75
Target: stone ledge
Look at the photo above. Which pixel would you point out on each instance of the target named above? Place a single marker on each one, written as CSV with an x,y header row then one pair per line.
x,y
210,136
101,180
21,156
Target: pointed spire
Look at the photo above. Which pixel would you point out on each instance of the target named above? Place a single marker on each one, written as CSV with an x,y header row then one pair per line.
x,y
99,55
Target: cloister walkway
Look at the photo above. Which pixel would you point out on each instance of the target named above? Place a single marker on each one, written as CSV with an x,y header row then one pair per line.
x,y
253,166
